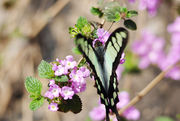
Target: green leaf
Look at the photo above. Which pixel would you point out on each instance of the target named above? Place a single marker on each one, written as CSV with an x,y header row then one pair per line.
x,y
130,24
97,12
75,104
113,11
131,13
35,104
86,30
64,106
82,62
131,64
81,22
45,70
63,78
163,118
33,86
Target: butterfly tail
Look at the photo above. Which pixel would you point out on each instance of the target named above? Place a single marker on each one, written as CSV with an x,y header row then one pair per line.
x,y
107,114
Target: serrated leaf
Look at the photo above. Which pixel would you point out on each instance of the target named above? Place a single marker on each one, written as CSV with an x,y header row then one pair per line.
x,y
76,51
35,104
82,62
75,104
96,11
163,118
86,30
113,14
130,24
131,13
81,22
45,70
33,86
63,78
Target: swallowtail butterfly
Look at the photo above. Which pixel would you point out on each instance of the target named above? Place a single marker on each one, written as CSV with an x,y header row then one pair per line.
x,y
103,61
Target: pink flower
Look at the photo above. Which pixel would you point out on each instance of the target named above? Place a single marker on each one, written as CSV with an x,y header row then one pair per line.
x,y
102,36
70,63
67,92
119,71
61,70
53,107
98,113
131,1
84,71
149,48
53,91
175,26
124,99
78,87
132,114
150,5
55,67
49,95
51,82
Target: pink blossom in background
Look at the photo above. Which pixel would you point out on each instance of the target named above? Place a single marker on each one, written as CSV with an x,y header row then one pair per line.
x,y
67,92
132,114
175,26
124,99
53,107
131,1
149,48
99,113
173,56
150,5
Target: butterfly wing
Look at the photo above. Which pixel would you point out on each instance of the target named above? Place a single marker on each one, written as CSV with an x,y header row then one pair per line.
x,y
113,51
95,59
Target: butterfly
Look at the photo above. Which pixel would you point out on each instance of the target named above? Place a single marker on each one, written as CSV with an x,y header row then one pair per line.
x,y
104,60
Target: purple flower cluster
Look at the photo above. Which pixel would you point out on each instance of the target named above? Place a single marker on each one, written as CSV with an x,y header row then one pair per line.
x,y
99,113
150,5
76,81
173,56
149,48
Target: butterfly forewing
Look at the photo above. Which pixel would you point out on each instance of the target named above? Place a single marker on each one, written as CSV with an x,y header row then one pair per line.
x,y
113,50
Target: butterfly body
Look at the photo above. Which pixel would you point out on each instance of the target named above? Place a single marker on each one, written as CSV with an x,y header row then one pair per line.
x,y
103,61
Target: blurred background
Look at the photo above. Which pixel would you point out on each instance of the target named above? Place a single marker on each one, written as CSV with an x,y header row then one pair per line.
x,y
32,30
